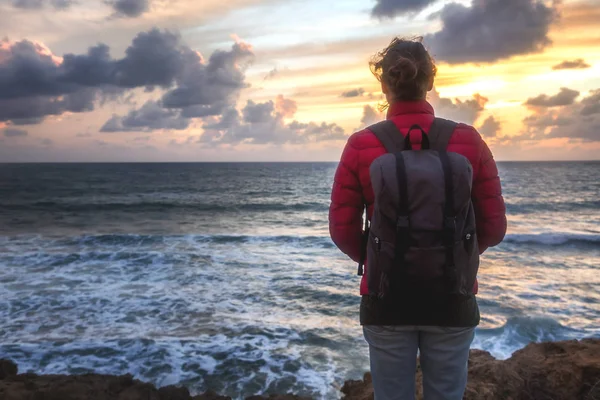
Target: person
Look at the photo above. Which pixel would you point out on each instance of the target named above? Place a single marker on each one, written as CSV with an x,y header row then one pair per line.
x,y
440,329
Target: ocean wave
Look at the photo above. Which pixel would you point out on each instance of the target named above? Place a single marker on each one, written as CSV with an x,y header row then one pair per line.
x,y
519,331
554,239
134,240
141,207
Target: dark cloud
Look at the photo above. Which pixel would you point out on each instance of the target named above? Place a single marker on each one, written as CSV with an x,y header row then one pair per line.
x,y
151,116
353,93
27,121
12,132
38,4
36,108
264,123
202,111
546,120
575,64
460,111
577,120
46,142
490,127
591,103
256,113
204,89
565,97
154,58
35,84
130,8
491,30
216,82
28,4
392,8
61,4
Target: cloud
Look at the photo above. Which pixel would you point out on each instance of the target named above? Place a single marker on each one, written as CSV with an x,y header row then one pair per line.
x,y
370,116
211,83
271,74
12,132
576,120
46,142
83,135
575,64
151,116
204,89
591,103
490,127
38,4
27,121
154,58
34,109
491,30
122,8
264,123
565,97
353,93
391,8
285,107
460,111
546,120
34,83
130,8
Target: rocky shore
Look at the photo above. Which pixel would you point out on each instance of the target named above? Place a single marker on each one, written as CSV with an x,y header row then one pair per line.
x,y
567,370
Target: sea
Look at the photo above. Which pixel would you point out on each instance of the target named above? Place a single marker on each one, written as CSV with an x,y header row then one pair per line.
x,y
223,276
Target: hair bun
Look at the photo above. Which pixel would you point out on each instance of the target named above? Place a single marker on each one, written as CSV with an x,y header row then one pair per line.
x,y
403,71
405,67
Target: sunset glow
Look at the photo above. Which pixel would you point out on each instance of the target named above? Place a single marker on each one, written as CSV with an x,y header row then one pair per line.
x,y
183,81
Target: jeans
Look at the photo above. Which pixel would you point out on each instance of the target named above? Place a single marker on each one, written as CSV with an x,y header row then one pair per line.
x,y
444,355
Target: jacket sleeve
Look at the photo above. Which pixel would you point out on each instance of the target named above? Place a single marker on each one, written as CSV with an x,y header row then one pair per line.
x,y
345,211
490,210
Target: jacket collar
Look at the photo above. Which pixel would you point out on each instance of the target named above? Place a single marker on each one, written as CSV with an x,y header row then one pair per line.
x,y
409,107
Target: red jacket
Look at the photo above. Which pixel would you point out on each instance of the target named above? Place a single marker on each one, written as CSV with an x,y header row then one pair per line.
x,y
352,186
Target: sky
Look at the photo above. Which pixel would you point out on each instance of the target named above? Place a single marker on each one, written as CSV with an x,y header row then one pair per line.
x,y
286,80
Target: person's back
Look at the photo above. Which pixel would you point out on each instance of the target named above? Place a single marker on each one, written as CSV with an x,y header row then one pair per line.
x,y
441,326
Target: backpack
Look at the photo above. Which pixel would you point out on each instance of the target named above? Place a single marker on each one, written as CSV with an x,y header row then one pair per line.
x,y
422,234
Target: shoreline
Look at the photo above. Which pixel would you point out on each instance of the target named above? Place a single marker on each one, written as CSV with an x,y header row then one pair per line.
x,y
566,370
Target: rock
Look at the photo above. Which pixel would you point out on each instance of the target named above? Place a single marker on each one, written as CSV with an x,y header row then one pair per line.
x,y
559,371
358,390
210,395
7,368
174,393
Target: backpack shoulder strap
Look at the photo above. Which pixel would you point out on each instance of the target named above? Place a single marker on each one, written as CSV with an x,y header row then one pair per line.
x,y
387,132
440,132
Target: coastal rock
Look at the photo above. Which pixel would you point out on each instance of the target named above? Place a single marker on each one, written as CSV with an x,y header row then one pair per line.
x,y
7,368
559,371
